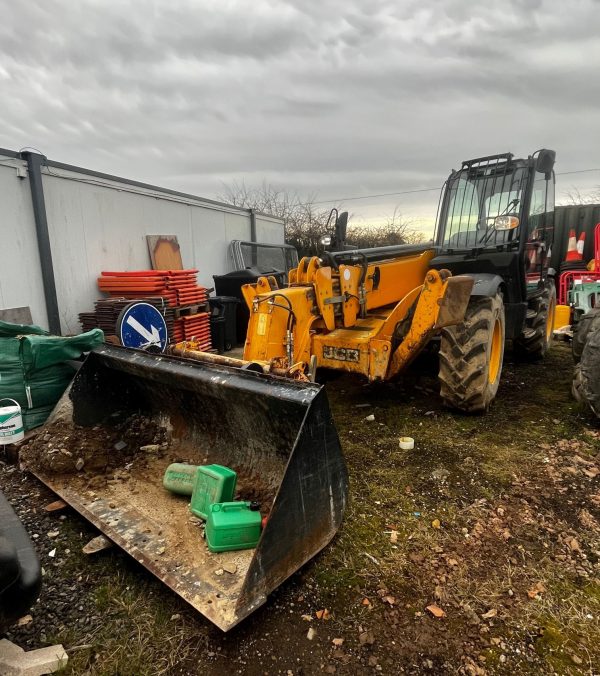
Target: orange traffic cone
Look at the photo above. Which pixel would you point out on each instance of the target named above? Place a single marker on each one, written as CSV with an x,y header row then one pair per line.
x,y
580,245
572,253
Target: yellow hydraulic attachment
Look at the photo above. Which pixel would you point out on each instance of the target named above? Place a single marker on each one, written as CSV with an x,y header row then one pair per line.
x,y
371,318
367,317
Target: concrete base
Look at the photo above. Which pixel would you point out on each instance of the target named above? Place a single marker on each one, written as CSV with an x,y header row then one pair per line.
x,y
14,661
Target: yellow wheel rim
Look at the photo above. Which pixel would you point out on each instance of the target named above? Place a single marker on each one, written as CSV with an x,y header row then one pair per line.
x,y
496,352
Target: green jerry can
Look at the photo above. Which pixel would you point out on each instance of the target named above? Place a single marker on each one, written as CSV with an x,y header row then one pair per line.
x,y
213,483
232,525
180,478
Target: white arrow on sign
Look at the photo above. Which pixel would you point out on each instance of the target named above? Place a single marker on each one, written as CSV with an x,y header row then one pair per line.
x,y
152,337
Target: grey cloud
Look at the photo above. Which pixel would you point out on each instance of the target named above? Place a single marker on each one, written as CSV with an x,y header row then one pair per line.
x,y
324,96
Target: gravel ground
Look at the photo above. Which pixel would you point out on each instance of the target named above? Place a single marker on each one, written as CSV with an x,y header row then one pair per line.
x,y
67,594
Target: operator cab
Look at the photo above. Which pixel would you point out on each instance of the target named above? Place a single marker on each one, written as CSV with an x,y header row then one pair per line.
x,y
496,218
490,202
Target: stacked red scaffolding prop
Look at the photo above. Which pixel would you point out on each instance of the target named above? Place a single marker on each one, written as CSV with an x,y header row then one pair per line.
x,y
179,287
193,327
185,302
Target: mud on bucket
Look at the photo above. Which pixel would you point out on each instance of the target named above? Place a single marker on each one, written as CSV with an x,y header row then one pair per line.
x,y
277,435
11,423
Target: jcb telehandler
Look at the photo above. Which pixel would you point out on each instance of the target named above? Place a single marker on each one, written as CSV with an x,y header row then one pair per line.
x,y
484,279
364,311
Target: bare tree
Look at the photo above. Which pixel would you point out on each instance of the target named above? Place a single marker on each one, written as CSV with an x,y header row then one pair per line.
x,y
395,230
306,223
576,197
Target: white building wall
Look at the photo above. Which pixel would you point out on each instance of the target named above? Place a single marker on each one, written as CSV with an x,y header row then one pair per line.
x,y
20,275
269,230
97,223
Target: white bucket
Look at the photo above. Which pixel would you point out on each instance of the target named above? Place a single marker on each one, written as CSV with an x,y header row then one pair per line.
x,y
11,423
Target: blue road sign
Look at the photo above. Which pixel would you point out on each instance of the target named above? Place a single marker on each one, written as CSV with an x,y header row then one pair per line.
x,y
142,326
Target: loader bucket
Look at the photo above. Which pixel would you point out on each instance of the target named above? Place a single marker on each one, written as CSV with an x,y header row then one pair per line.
x,y
129,414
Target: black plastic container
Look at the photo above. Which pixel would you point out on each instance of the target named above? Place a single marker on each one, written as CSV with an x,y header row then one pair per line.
x,y
217,332
231,284
226,307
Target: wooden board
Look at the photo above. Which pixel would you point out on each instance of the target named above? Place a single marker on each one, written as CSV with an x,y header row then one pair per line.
x,y
165,253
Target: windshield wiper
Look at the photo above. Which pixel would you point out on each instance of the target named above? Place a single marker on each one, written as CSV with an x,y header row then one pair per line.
x,y
489,227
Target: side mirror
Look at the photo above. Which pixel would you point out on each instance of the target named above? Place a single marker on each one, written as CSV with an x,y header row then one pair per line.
x,y
545,162
326,240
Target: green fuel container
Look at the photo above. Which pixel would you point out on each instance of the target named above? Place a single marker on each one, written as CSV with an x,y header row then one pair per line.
x,y
180,478
231,526
213,483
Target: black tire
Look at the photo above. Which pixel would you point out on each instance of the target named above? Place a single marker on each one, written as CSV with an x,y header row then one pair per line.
x,y
536,340
584,325
586,381
471,356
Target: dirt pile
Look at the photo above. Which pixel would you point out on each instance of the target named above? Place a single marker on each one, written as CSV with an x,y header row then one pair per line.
x,y
65,448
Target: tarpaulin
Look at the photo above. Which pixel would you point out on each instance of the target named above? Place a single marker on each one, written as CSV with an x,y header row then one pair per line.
x,y
34,368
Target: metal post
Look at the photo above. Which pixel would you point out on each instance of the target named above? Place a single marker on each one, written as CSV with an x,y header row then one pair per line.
x,y
253,237
34,164
252,226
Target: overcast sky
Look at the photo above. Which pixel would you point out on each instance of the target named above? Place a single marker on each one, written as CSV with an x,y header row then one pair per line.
x,y
334,99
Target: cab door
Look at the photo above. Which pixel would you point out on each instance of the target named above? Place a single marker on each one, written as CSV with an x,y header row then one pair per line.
x,y
540,229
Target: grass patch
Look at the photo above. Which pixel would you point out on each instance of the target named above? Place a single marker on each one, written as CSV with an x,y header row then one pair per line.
x,y
462,471
138,635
